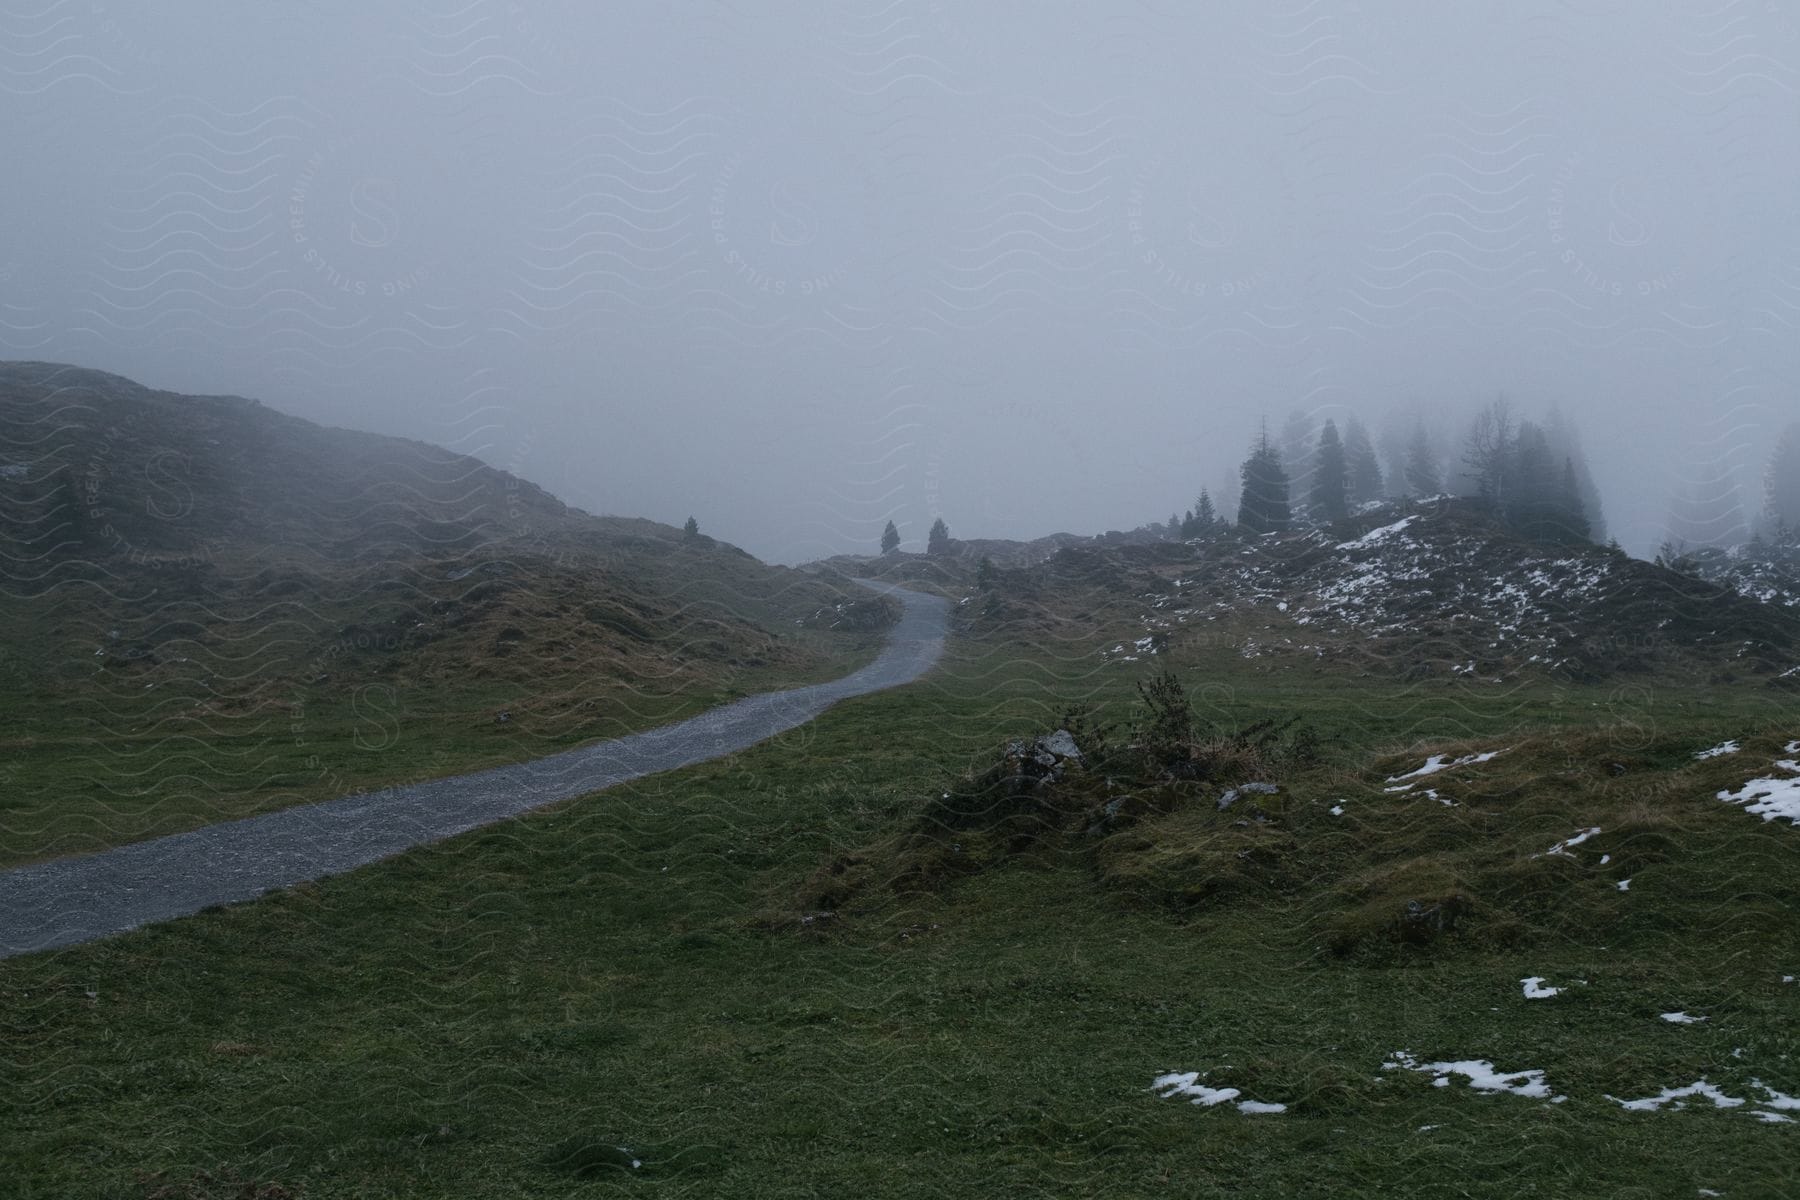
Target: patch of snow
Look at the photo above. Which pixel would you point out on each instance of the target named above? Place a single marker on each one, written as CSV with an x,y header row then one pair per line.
x,y
1440,762
1562,847
1769,798
1624,885
1481,1074
1187,1083
1681,1018
1535,989
1730,747
1678,1097
1337,810
1776,1099
1377,535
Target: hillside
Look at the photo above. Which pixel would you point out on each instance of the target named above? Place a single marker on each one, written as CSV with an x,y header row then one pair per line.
x,y
217,608
1762,570
1433,590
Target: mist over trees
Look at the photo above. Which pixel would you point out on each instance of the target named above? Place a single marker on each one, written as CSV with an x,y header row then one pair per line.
x,y
1330,499
1533,475
1781,487
1366,482
1420,474
1263,505
1529,477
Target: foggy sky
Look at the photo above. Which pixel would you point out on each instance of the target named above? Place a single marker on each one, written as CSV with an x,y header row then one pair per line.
x,y
798,269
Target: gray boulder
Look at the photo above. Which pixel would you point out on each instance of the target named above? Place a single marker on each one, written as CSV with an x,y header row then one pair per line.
x,y
1233,795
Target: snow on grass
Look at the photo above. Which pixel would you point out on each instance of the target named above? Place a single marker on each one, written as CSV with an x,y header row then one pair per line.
x,y
1624,885
1337,810
1481,1074
1730,747
1535,989
1771,1111
1436,763
1772,797
1187,1083
1681,1018
1377,535
1562,847
1678,1097
1777,1100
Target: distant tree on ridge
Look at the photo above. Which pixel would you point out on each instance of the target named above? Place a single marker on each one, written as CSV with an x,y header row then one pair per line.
x,y
1263,504
1330,478
938,540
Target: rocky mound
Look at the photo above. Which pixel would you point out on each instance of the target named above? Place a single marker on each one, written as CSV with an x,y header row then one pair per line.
x,y
1439,588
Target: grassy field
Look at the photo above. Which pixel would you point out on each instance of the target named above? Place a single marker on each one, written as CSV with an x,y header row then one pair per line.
x,y
252,703
632,978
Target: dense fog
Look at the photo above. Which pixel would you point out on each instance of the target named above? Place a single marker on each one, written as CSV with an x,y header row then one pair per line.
x,y
800,269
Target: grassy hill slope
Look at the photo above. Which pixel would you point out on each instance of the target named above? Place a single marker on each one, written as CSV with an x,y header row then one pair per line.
x,y
214,609
1000,999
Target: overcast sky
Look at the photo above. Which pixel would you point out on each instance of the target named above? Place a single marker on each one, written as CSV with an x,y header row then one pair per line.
x,y
1032,266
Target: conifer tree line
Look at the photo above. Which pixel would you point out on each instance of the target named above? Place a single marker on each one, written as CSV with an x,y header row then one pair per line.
x,y
937,540
1533,475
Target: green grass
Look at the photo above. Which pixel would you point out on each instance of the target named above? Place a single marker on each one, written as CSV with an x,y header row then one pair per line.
x,y
96,756
495,1015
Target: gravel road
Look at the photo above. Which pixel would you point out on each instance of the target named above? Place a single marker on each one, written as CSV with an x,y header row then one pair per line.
x,y
71,900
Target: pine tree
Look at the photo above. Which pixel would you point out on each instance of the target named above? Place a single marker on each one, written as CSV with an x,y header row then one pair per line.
x,y
1330,479
1534,491
692,528
1781,486
1174,527
1565,442
1422,478
1189,526
1263,507
1544,497
984,573
1205,516
1364,468
938,540
890,539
